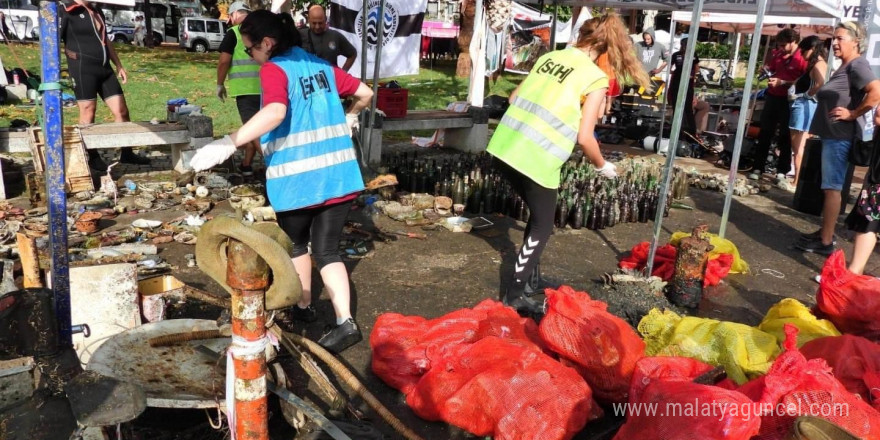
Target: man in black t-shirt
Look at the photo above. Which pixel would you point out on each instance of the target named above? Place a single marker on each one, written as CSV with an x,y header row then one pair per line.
x,y
324,42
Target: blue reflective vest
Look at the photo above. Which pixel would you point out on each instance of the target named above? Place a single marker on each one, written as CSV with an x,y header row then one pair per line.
x,y
309,156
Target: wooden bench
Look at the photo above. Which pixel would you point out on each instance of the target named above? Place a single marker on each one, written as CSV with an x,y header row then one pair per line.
x,y
184,137
464,131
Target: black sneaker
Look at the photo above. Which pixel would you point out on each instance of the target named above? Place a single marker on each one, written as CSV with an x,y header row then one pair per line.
x,y
816,236
129,157
816,247
246,170
341,337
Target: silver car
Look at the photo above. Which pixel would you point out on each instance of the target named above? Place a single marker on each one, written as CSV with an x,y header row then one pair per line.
x,y
201,34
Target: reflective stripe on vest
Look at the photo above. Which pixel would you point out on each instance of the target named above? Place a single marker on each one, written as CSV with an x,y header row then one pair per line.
x,y
243,77
540,128
306,137
309,157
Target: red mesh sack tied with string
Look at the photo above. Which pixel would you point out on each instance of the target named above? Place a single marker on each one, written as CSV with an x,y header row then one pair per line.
x,y
602,347
689,411
404,347
504,389
854,361
663,369
664,260
795,386
849,300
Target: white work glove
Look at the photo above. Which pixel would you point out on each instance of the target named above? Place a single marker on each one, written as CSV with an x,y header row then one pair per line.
x,y
212,154
609,170
221,92
352,120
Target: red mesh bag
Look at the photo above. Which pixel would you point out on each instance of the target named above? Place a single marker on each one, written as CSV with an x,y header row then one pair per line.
x,y
795,386
689,411
504,389
663,369
602,347
404,347
854,361
850,301
717,269
664,260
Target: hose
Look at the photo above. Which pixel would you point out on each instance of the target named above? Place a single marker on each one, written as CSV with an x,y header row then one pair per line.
x,y
267,239
343,373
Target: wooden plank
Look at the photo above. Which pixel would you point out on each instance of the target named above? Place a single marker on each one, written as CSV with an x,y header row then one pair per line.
x,y
112,135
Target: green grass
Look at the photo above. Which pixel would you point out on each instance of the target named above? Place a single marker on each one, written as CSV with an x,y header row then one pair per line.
x,y
157,75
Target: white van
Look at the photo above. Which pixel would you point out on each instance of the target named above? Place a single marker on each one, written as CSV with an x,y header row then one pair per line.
x,y
201,34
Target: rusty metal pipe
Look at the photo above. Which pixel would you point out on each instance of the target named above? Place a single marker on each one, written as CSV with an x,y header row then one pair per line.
x,y
248,275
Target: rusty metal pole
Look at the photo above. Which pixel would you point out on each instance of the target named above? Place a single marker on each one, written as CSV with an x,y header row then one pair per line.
x,y
690,266
248,275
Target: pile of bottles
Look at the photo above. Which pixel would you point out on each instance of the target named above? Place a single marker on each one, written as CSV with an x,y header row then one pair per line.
x,y
585,199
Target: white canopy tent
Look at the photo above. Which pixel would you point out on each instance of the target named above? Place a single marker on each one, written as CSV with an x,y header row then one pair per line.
x,y
758,9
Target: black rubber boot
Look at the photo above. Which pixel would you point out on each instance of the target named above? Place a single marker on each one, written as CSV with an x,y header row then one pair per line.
x,y
526,307
536,283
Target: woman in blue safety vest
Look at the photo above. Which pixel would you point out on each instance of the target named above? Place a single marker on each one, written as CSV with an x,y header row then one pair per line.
x,y
312,173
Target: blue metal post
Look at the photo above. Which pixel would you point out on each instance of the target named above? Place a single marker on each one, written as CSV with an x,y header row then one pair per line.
x,y
56,196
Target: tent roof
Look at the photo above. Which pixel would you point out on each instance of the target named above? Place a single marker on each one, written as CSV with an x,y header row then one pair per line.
x,y
745,23
790,8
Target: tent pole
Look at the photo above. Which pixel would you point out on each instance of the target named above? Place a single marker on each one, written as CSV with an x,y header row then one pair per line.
x,y
741,125
668,77
377,62
477,87
364,11
672,149
57,198
735,55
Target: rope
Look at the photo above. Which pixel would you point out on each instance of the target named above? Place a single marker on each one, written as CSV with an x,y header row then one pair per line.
x,y
239,347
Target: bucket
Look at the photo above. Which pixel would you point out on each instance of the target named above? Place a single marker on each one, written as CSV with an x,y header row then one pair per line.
x,y
88,222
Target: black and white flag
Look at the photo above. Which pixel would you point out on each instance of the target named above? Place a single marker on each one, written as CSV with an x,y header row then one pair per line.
x,y
401,33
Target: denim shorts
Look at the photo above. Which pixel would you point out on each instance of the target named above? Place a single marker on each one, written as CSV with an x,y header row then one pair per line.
x,y
802,111
835,162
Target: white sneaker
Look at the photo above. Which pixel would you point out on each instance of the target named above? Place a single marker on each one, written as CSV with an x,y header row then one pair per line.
x,y
790,174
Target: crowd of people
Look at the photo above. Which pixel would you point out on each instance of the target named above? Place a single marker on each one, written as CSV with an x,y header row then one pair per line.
x,y
288,88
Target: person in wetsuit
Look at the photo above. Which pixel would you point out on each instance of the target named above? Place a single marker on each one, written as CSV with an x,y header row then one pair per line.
x,y
89,53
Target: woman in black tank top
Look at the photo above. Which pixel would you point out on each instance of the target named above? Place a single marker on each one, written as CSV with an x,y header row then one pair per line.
x,y
803,107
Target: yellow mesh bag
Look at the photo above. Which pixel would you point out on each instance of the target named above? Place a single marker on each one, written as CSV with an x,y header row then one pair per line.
x,y
744,352
791,311
721,246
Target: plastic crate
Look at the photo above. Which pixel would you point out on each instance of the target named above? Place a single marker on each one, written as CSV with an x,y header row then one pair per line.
x,y
393,102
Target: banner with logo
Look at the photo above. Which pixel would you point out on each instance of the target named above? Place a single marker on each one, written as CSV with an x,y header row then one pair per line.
x,y
401,33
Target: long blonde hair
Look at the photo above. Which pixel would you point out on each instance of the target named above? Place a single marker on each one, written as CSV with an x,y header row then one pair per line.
x,y
607,34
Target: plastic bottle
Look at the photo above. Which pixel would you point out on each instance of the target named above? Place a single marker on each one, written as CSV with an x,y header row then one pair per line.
x,y
370,209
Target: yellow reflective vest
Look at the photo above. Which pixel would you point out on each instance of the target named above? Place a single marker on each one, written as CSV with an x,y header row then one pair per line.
x,y
539,130
244,75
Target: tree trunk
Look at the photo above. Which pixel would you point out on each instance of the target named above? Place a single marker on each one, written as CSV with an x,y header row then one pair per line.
x,y
148,22
465,34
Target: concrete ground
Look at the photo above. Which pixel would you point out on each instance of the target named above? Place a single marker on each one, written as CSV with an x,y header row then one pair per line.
x,y
448,271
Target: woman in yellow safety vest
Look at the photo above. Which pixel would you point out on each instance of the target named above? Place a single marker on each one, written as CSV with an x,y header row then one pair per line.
x,y
555,108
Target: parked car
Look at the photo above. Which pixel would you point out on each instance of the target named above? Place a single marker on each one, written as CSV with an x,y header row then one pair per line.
x,y
201,34
120,34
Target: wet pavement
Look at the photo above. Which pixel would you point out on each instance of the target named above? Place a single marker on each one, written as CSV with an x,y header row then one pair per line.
x,y
447,271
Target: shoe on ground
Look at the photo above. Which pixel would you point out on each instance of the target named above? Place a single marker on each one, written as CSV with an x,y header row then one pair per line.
x,y
129,157
785,185
246,170
816,247
790,174
341,337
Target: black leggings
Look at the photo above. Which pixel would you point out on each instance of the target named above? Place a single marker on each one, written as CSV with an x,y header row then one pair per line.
x,y
776,113
542,207
322,226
